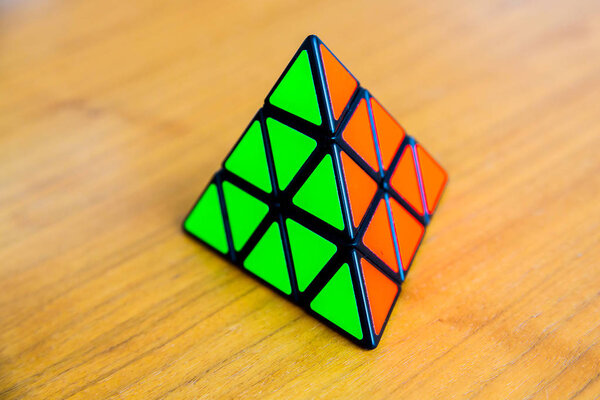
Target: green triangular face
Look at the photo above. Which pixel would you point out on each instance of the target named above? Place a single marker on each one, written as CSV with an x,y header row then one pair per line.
x,y
296,92
245,213
267,260
310,252
249,160
337,302
319,194
206,221
290,150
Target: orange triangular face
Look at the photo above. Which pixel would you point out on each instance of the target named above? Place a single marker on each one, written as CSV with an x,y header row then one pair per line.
x,y
433,176
361,188
408,233
340,83
381,292
359,136
389,133
405,180
378,237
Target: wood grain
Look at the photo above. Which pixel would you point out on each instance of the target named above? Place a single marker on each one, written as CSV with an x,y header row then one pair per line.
x,y
114,115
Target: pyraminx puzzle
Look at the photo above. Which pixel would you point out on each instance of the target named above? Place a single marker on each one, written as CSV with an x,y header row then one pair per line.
x,y
324,198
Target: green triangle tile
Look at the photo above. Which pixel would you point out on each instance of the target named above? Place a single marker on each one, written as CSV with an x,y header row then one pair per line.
x,y
267,260
337,302
290,150
310,252
206,220
245,213
319,194
249,160
296,92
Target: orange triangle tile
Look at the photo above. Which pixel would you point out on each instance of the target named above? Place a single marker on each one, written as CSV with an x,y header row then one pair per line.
x,y
389,133
359,136
409,232
361,188
381,292
378,237
434,178
405,180
340,83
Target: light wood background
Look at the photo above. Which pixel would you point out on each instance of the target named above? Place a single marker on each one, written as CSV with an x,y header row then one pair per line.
x,y
114,114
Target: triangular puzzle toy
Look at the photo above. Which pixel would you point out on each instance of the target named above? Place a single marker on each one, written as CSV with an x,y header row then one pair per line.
x,y
324,198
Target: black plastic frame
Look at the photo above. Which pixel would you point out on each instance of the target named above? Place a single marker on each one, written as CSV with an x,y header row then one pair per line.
x,y
349,240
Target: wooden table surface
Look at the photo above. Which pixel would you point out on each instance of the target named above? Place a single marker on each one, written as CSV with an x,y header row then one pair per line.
x,y
115,114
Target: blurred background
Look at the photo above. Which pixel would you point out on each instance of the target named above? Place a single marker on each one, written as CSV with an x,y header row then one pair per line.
x,y
115,114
